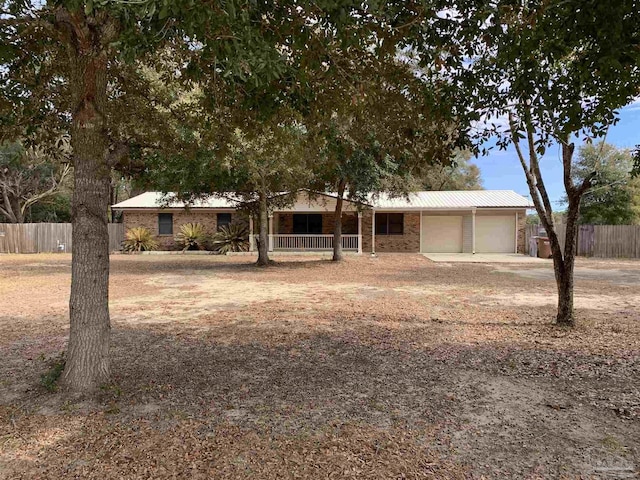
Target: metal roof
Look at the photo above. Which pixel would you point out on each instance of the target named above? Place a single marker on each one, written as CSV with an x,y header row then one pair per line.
x,y
155,200
453,200
415,201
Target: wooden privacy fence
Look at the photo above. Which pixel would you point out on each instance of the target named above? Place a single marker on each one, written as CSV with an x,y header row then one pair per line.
x,y
604,241
47,237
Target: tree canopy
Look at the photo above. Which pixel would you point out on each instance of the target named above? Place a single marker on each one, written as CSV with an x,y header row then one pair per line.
x,y
615,196
459,174
31,175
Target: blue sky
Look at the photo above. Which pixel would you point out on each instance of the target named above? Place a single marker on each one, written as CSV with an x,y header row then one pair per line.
x,y
501,170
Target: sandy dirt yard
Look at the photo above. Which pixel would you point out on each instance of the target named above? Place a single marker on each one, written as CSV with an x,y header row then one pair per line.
x,y
389,367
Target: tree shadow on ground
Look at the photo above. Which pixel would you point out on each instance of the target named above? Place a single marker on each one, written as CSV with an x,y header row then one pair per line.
x,y
211,264
317,390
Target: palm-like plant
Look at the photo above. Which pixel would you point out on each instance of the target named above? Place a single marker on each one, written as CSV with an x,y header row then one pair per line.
x,y
139,239
231,238
192,237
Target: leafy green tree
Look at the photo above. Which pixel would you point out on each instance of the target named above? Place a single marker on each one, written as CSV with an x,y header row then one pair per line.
x,y
558,218
84,40
356,168
251,164
243,42
267,161
30,176
459,174
375,126
255,48
614,198
554,70
55,209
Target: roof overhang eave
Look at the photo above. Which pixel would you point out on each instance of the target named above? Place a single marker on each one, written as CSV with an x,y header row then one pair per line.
x,y
412,208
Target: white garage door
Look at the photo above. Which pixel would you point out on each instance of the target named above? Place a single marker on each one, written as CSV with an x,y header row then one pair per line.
x,y
495,234
442,234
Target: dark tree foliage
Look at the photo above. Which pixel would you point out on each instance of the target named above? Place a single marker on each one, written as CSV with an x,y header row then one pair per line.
x,y
458,174
30,176
614,198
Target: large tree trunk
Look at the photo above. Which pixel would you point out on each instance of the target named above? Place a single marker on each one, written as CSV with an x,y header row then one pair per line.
x,y
337,226
263,244
19,216
87,362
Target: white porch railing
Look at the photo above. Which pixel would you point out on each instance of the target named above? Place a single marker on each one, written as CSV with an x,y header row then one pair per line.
x,y
297,242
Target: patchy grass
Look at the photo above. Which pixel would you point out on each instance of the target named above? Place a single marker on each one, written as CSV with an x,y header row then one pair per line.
x,y
393,367
49,379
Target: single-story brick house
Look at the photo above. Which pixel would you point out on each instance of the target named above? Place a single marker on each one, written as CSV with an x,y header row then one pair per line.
x,y
476,221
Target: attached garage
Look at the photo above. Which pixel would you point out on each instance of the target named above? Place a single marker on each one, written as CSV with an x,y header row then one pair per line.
x,y
442,234
495,233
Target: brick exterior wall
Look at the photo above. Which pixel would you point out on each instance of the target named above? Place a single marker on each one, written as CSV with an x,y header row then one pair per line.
x,y
349,223
408,242
149,219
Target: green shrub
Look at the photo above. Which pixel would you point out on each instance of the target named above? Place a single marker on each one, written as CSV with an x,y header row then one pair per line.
x,y
192,237
49,379
231,238
139,239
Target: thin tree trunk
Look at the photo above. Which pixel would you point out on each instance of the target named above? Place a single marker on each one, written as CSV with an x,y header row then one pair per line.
x,y
565,315
564,276
337,226
263,244
7,210
87,362
563,261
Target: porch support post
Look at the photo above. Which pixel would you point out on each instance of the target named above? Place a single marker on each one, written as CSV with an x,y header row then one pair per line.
x,y
251,247
373,231
473,230
515,250
420,247
359,232
271,233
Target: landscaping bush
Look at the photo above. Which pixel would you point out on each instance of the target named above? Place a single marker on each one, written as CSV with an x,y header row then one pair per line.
x,y
139,239
231,238
192,237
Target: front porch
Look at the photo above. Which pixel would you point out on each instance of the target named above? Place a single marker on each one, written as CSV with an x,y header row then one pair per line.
x,y
309,232
307,243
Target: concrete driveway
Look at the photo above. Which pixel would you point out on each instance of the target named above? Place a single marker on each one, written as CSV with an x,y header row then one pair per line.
x,y
615,276
484,258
